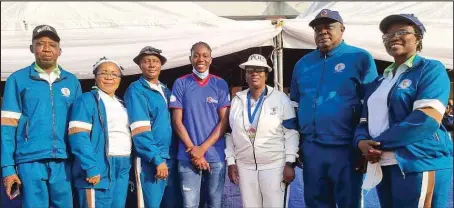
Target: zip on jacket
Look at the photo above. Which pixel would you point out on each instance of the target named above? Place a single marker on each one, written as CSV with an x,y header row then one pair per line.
x,y
106,134
258,122
317,95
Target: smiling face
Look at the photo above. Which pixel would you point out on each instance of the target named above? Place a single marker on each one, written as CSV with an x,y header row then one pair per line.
x,y
256,76
151,67
201,58
46,51
328,34
108,77
401,40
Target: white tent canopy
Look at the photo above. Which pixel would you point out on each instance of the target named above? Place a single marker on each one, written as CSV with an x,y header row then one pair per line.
x,y
361,20
118,30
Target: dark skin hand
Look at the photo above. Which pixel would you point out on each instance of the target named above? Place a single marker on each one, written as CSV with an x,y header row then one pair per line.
x,y
94,180
9,181
201,163
289,174
369,150
361,164
233,174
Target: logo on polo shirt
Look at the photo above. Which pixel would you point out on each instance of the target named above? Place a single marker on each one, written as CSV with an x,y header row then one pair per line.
x,y
173,98
339,67
65,91
211,100
405,84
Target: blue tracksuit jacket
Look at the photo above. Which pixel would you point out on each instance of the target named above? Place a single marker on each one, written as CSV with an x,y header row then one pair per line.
x,y
328,88
146,107
418,141
34,117
90,142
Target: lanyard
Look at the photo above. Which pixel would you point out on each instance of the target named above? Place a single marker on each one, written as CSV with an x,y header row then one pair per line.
x,y
252,117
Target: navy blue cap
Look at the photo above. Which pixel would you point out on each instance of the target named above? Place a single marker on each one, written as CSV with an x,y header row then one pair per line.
x,y
410,18
326,14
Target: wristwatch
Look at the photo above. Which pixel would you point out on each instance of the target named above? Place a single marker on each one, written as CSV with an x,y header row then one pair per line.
x,y
290,164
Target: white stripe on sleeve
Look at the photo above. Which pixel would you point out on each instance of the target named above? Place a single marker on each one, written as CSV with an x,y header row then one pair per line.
x,y
434,103
138,124
80,124
11,114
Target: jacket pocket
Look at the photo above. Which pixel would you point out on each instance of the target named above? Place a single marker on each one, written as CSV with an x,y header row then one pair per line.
x,y
22,133
433,146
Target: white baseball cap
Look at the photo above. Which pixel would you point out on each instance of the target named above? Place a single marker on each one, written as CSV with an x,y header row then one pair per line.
x,y
256,60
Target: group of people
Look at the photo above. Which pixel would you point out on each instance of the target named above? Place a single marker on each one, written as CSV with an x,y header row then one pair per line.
x,y
340,120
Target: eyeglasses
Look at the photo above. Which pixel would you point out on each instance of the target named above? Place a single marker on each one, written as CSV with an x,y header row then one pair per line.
x,y
258,70
398,34
105,75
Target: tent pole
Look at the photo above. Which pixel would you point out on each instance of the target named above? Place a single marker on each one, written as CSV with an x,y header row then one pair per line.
x,y
275,69
280,61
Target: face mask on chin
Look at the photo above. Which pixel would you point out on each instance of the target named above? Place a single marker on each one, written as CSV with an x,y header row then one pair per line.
x,y
200,75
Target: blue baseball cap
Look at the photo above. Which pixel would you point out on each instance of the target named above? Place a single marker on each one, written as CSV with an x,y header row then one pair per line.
x,y
326,14
409,18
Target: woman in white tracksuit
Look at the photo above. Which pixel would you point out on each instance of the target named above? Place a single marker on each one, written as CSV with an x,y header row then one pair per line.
x,y
262,149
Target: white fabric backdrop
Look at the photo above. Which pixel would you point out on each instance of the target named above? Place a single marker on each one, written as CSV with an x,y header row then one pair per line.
x,y
361,20
118,30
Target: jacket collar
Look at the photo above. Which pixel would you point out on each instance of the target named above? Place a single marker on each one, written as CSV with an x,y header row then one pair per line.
x,y
96,94
146,84
34,74
417,61
338,48
243,94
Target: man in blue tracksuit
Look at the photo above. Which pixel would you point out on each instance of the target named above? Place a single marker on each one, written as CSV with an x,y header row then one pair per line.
x,y
327,85
146,102
34,122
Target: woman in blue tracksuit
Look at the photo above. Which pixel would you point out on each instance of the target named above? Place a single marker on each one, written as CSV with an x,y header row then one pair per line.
x,y
100,139
409,152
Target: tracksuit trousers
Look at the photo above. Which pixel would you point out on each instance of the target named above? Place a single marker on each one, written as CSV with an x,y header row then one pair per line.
x,y
115,196
150,190
330,177
46,183
424,189
172,194
262,188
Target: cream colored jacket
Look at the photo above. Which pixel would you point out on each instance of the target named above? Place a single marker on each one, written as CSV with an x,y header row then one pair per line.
x,y
274,144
